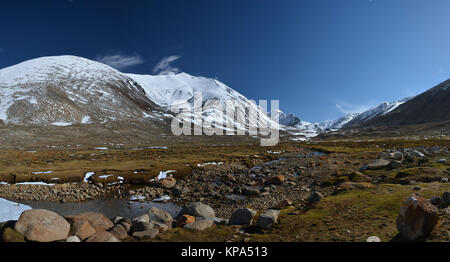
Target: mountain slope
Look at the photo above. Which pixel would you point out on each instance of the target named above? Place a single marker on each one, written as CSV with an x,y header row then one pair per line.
x,y
333,125
289,120
68,89
374,112
174,89
430,106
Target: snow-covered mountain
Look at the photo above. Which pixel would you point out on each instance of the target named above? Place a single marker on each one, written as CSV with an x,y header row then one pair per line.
x,y
287,119
173,89
374,112
432,106
333,125
297,129
67,90
359,119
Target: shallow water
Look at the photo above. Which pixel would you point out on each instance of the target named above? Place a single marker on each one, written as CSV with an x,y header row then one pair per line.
x,y
109,207
268,163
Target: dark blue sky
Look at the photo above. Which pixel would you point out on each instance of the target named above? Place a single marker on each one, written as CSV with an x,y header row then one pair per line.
x,y
319,58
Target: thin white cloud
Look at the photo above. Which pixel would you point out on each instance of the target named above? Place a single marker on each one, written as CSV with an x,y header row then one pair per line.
x,y
119,61
164,68
347,108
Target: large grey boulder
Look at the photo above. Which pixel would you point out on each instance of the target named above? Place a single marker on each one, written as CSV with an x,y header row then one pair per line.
x,y
200,225
243,216
198,209
42,226
397,155
143,218
80,227
97,220
268,218
378,164
103,236
314,197
395,164
160,216
118,231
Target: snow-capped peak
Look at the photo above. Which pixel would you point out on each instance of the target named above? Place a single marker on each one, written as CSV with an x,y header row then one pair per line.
x,y
376,111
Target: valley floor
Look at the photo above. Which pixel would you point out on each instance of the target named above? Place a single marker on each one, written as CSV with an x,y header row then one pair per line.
x,y
358,202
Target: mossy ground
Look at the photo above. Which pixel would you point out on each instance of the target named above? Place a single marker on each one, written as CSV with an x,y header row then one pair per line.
x,y
350,216
70,165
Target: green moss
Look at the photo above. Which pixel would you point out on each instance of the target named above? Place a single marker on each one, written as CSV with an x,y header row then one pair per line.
x,y
11,235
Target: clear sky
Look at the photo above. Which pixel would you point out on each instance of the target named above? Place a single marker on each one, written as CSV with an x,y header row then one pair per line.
x,y
320,58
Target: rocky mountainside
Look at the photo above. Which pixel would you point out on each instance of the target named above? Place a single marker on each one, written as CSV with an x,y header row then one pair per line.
x,y
378,111
430,106
287,119
66,90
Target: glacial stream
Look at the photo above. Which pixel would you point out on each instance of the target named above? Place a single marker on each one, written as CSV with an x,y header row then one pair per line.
x,y
108,206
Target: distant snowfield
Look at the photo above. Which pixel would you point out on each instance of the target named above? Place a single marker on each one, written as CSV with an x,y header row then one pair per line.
x,y
11,210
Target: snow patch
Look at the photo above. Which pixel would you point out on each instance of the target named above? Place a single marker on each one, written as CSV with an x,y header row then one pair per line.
x,y
61,124
11,210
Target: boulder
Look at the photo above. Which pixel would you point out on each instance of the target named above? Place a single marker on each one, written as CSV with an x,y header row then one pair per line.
x,y
126,226
103,236
444,180
417,218
117,219
445,200
184,220
373,239
268,218
42,226
243,216
276,180
282,204
179,191
73,239
200,225
250,191
417,154
435,200
378,164
167,183
397,155
364,168
395,164
442,161
314,197
160,226
143,218
97,220
118,231
150,233
198,209
160,216
80,227
141,226
409,158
